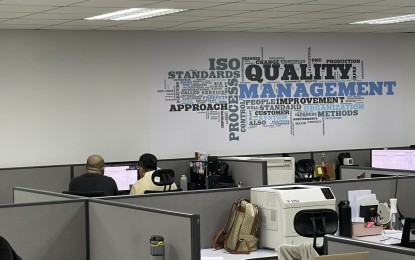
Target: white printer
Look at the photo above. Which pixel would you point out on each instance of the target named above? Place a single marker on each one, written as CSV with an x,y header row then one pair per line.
x,y
278,206
280,170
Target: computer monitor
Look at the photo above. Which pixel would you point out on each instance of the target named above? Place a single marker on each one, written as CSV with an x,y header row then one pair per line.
x,y
380,175
393,159
124,174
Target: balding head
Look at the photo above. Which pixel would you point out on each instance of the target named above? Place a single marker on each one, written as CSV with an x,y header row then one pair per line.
x,y
95,164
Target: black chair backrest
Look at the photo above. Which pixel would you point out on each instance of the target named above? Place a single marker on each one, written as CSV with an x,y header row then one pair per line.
x,y
85,193
304,170
305,166
316,223
408,233
342,156
164,177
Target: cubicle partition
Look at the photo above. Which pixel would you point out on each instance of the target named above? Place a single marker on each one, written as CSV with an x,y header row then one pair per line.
x,y
360,157
251,173
78,169
56,178
46,230
377,251
353,172
107,230
120,227
27,195
179,166
51,178
122,231
213,206
384,188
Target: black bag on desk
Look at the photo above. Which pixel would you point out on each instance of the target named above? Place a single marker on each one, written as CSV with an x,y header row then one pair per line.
x,y
239,235
223,168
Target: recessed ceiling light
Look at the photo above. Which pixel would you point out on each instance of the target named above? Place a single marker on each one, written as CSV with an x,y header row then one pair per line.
x,y
134,14
389,20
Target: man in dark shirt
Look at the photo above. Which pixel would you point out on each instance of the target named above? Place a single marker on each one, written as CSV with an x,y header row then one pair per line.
x,y
94,179
6,251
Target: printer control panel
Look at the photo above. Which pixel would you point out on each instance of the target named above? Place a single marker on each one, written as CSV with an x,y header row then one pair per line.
x,y
327,193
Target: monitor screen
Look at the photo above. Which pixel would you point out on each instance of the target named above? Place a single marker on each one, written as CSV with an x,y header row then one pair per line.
x,y
394,159
124,174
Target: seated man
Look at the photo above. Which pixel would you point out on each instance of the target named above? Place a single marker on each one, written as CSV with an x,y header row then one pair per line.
x,y
94,178
146,166
6,251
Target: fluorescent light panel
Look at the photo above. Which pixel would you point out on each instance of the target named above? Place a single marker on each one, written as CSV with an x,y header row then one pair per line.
x,y
134,14
389,20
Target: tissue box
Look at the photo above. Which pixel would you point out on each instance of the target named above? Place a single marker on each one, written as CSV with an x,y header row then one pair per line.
x,y
359,230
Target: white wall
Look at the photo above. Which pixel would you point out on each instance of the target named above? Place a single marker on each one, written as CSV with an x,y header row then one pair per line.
x,y
409,71
67,94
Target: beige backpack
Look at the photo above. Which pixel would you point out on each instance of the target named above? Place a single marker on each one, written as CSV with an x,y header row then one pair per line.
x,y
239,235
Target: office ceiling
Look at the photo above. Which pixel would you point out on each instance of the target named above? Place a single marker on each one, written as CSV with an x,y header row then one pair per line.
x,y
211,15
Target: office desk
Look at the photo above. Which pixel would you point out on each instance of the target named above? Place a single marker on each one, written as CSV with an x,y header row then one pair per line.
x,y
221,254
382,239
378,249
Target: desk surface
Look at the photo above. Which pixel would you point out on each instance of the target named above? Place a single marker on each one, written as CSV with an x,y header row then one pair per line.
x,y
388,240
212,254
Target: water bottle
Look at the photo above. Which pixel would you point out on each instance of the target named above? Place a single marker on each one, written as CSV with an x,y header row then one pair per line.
x,y
394,222
157,247
345,219
207,181
183,182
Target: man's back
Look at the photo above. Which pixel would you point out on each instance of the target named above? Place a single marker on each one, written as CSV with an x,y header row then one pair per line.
x,y
94,182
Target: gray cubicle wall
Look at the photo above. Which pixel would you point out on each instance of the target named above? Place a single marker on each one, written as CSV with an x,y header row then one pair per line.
x,y
353,172
251,173
126,228
360,157
46,230
121,231
78,169
377,251
53,178
213,206
180,166
27,195
405,194
300,156
384,188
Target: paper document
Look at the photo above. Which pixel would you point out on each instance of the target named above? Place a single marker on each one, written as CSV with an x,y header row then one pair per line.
x,y
397,234
354,196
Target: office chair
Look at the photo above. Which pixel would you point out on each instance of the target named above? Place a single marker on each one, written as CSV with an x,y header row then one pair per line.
x,y
304,169
316,223
408,233
341,158
162,178
85,193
